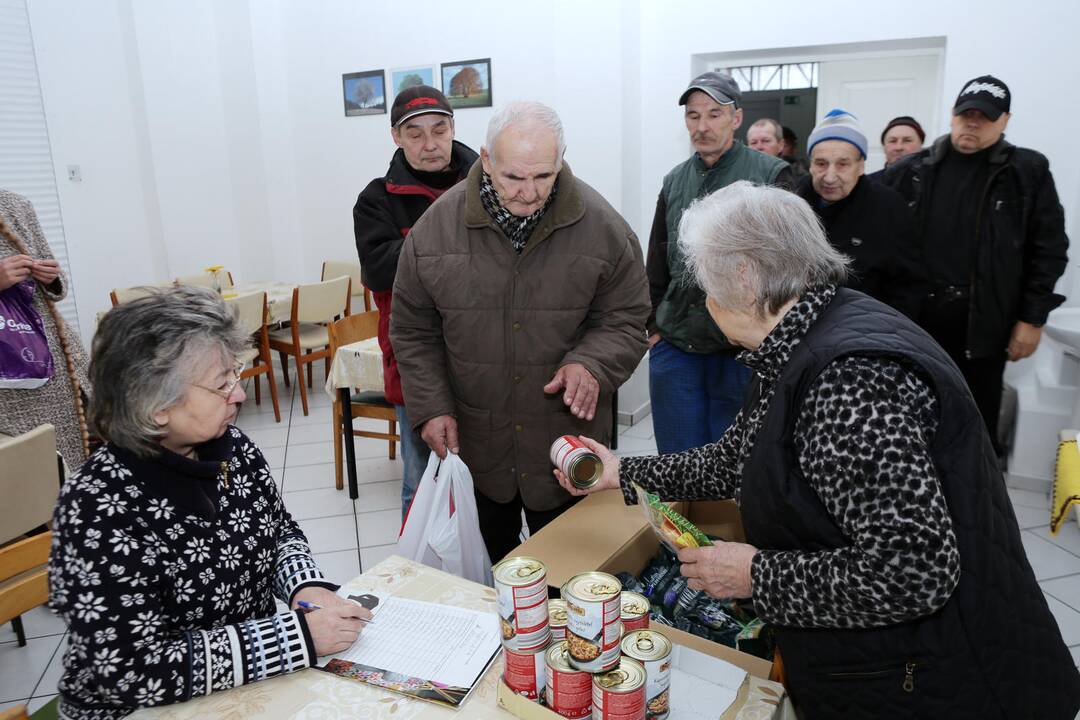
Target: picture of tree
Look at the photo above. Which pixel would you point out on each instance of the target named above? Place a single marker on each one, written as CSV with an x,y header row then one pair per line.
x,y
407,77
364,93
467,83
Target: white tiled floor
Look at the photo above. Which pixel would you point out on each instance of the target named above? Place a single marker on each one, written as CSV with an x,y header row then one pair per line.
x,y
347,534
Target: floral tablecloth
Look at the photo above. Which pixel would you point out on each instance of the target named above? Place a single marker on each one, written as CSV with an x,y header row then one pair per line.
x,y
315,695
356,365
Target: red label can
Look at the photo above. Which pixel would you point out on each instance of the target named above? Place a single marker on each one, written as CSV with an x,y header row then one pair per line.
x,y
522,597
557,619
580,464
593,621
569,691
619,694
525,673
635,612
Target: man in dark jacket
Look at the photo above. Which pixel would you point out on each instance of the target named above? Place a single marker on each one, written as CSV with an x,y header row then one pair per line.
x,y
866,221
428,162
992,236
695,385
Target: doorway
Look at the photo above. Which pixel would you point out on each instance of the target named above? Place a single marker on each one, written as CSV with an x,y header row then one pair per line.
x,y
795,109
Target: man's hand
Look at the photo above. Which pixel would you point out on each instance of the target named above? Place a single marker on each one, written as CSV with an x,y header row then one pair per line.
x,y
45,271
653,339
14,269
722,570
440,434
582,389
609,479
337,625
1024,340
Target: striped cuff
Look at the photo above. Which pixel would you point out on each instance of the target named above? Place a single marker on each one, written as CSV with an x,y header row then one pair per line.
x,y
275,645
295,567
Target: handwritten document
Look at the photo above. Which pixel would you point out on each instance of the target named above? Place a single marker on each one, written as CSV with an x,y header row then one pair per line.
x,y
443,644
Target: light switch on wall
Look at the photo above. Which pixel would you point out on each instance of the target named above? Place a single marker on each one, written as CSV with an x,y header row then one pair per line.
x,y
74,173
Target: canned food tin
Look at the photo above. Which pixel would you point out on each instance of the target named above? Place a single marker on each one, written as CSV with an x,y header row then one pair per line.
x,y
557,619
569,691
521,586
619,694
593,620
652,650
635,612
576,461
525,673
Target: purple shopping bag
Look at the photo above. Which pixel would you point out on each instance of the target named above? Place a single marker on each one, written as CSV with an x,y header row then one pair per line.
x,y
25,360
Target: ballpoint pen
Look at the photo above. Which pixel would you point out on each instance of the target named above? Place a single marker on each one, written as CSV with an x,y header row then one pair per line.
x,y
312,606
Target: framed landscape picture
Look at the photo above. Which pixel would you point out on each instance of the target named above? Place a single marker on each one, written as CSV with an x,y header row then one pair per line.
x,y
467,83
401,78
364,93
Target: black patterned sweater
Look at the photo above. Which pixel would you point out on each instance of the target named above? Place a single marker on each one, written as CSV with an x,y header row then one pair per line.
x,y
166,573
862,439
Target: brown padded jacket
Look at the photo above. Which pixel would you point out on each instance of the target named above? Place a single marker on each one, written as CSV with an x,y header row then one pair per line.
x,y
478,330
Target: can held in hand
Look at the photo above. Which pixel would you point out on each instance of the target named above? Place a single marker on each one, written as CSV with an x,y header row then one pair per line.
x,y
557,619
569,691
619,694
635,612
526,673
593,620
653,651
576,461
521,588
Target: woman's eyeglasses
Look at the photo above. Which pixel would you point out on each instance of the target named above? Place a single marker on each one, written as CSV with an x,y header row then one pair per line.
x,y
227,388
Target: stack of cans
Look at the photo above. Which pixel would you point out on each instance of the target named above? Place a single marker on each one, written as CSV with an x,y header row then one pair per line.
x,y
575,655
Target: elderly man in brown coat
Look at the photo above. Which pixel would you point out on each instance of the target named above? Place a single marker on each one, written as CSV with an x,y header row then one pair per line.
x,y
519,308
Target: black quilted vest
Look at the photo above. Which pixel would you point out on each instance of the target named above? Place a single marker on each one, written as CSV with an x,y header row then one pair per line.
x,y
994,650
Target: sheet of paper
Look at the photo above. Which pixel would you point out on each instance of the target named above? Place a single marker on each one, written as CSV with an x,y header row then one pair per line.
x,y
702,686
444,644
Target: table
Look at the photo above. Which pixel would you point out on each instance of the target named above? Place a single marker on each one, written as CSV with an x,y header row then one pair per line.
x,y
311,694
356,365
278,297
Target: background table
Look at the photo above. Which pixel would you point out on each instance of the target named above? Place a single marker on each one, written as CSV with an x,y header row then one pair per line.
x,y
278,297
356,365
312,694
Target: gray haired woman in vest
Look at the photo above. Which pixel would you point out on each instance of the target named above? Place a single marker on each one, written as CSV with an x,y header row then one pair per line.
x,y
881,543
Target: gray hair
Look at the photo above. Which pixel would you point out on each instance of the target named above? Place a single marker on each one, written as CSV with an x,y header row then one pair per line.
x,y
778,130
526,112
146,353
769,235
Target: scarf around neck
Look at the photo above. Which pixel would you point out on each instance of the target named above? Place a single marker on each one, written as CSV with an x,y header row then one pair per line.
x,y
517,229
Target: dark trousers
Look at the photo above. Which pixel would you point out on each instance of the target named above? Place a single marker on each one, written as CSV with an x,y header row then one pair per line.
x,y
500,523
945,317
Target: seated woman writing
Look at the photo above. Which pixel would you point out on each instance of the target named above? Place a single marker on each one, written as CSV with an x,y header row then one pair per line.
x,y
171,543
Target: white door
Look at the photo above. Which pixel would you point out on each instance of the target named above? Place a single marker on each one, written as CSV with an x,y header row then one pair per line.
x,y
878,89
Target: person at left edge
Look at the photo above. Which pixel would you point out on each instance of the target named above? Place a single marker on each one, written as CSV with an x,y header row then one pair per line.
x,y
427,163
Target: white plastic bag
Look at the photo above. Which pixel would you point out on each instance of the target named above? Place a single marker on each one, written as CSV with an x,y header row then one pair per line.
x,y
442,528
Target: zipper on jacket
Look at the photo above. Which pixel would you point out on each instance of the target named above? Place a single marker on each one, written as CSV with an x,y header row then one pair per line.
x,y
909,675
225,473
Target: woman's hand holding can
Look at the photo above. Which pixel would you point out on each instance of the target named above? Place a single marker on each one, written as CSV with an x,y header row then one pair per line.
x,y
609,479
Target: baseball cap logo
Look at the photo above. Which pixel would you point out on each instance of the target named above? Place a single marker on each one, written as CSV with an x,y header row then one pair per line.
x,y
977,87
417,102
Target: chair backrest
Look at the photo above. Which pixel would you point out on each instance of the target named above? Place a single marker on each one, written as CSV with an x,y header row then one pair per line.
x,y
30,483
336,268
205,279
27,589
353,329
322,302
119,296
250,310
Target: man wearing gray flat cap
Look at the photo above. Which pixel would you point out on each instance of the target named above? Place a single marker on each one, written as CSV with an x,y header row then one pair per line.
x,y
695,385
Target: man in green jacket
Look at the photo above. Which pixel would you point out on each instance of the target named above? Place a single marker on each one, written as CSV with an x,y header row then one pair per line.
x,y
695,384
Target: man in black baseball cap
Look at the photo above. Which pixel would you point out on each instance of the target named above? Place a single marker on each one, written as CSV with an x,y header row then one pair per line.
x,y
695,384
428,162
992,235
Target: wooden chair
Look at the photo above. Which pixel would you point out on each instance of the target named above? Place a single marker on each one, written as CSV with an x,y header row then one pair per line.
x,y
367,404
16,713
251,313
336,268
119,296
29,498
307,339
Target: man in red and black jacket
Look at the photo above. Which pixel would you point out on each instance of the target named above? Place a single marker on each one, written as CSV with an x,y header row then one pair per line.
x,y
428,162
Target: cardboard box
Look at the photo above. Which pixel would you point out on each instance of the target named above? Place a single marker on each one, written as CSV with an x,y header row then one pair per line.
x,y
603,533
